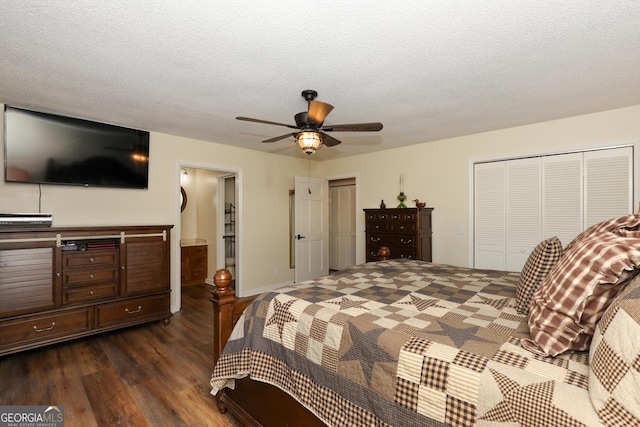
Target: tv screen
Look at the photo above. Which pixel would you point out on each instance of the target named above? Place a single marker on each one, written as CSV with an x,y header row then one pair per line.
x,y
43,148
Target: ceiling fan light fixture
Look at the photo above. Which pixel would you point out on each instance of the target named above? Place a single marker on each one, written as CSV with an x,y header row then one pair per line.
x,y
309,141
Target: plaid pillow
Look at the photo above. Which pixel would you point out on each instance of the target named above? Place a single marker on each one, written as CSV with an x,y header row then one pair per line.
x,y
614,377
626,221
571,299
538,265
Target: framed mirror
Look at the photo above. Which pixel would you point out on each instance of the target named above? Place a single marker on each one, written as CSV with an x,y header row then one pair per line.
x,y
183,199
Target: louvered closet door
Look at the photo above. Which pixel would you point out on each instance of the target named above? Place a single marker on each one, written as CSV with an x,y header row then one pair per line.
x,y
523,210
562,189
608,184
489,215
520,202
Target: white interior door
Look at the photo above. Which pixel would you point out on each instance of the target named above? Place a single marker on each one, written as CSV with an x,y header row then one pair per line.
x,y
312,228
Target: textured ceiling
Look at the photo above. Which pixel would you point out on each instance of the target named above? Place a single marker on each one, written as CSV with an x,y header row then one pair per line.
x,y
426,69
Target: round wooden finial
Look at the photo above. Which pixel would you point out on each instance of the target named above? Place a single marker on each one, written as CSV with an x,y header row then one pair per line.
x,y
222,279
384,253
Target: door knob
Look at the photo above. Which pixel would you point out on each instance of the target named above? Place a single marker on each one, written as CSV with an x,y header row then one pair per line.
x,y
300,237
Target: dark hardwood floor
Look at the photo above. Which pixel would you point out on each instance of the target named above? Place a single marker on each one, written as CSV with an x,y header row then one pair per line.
x,y
148,375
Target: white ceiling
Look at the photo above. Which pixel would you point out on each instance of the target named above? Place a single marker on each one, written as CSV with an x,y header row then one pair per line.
x,y
426,69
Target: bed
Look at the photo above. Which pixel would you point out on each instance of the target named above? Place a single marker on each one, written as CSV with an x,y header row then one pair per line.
x,y
413,343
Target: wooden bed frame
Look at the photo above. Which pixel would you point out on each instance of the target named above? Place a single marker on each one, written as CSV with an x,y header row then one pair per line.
x,y
253,403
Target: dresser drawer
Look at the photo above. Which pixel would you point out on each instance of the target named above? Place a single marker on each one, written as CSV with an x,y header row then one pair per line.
x,y
132,311
403,216
44,327
378,216
377,226
401,241
377,240
403,227
90,258
372,253
90,276
402,252
395,252
89,293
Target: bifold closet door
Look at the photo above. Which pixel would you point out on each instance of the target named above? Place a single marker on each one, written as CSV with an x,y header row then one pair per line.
x,y
490,215
507,213
608,177
562,196
520,202
524,222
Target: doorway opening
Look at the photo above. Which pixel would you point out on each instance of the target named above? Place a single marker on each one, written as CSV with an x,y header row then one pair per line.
x,y
207,224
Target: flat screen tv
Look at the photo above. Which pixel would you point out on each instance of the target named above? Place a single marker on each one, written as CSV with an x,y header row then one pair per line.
x,y
44,148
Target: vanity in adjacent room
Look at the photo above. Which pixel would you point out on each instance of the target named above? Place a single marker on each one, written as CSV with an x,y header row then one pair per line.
x,y
194,261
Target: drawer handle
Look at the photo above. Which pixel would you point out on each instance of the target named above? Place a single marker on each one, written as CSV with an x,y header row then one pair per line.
x,y
53,324
402,227
133,312
91,293
91,276
91,259
406,242
375,239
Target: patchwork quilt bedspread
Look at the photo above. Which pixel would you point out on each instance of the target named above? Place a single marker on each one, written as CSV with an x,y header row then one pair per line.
x,y
406,343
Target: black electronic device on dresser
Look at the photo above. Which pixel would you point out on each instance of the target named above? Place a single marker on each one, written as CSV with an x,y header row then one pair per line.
x,y
405,231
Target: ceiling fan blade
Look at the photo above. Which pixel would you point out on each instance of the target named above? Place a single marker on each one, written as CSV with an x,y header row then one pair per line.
x,y
329,141
278,138
355,127
266,122
318,111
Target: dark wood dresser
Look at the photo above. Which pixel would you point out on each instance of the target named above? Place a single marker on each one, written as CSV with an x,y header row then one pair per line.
x,y
58,284
406,232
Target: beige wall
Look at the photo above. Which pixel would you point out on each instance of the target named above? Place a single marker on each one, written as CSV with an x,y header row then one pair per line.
x,y
264,205
438,172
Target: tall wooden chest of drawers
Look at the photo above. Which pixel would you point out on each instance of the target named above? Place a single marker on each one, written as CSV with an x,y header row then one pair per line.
x,y
406,232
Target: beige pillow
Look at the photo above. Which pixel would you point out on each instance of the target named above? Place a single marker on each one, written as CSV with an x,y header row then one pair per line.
x,y
540,261
571,299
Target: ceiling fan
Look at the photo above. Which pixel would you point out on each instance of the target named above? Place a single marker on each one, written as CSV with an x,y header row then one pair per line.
x,y
310,132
